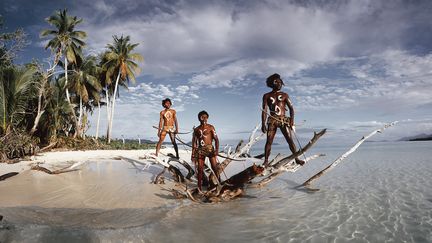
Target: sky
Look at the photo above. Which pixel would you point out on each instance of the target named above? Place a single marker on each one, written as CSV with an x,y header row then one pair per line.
x,y
348,66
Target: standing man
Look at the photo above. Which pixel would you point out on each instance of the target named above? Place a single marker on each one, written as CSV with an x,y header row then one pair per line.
x,y
167,124
202,147
276,102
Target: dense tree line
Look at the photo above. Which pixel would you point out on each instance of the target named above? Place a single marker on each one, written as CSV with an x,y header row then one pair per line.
x,y
40,104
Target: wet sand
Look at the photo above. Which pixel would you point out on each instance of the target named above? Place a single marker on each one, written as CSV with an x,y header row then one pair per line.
x,y
101,181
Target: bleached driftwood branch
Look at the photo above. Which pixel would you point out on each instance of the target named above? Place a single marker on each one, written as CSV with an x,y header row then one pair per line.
x,y
343,156
290,167
253,139
285,161
166,163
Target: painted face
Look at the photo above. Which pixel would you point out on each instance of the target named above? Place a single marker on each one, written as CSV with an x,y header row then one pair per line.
x,y
277,84
167,104
203,118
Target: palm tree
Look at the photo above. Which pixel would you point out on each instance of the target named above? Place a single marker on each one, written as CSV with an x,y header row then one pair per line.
x,y
58,115
120,62
85,84
17,88
106,83
66,40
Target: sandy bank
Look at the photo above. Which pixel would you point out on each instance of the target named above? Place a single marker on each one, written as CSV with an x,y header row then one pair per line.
x,y
101,182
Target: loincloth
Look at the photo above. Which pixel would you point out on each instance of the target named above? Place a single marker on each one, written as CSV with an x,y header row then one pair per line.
x,y
205,151
278,121
167,129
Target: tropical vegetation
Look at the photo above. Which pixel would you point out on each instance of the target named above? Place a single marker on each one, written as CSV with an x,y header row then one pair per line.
x,y
47,106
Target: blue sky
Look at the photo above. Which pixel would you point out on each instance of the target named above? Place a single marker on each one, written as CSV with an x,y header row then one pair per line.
x,y
348,66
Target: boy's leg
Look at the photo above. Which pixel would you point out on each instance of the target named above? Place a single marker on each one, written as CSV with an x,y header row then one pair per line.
x,y
161,139
173,141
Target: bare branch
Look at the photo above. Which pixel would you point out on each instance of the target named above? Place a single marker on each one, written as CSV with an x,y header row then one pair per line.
x,y
342,157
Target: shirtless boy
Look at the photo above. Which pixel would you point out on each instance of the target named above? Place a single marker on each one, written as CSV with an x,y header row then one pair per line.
x,y
276,101
167,125
202,147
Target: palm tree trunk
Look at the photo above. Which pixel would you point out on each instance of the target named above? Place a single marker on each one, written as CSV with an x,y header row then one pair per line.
x,y
66,80
108,105
46,76
4,108
98,120
77,127
39,109
80,127
112,108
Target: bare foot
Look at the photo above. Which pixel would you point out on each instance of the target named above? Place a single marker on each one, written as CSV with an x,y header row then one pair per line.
x,y
300,162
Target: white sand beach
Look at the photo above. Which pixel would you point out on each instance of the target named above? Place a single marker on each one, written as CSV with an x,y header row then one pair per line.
x,y
101,180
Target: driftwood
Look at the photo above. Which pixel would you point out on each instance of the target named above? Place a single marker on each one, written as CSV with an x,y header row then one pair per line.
x,y
166,163
291,167
241,151
343,156
48,171
8,175
236,185
55,172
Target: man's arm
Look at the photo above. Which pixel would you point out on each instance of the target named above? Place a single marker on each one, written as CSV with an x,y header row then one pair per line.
x,y
264,114
291,109
160,124
194,146
215,137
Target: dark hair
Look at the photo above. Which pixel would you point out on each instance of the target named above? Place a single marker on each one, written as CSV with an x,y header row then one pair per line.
x,y
270,80
165,100
202,113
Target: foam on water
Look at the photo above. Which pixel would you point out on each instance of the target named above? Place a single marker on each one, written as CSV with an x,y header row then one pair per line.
x,y
380,193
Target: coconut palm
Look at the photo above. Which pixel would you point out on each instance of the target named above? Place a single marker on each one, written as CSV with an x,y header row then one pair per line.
x,y
66,40
16,89
120,63
58,115
85,84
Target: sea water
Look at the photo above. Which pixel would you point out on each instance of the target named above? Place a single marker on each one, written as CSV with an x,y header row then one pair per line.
x,y
380,193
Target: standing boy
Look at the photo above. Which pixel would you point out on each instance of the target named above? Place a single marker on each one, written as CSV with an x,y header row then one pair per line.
x,y
167,124
202,147
276,102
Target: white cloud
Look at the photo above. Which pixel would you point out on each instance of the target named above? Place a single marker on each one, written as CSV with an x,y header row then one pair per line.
x,y
236,73
104,8
200,37
165,90
230,45
182,89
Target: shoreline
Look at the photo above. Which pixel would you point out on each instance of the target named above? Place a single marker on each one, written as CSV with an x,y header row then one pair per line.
x,y
101,181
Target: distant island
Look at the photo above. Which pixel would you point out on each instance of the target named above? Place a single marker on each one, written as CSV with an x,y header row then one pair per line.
x,y
419,137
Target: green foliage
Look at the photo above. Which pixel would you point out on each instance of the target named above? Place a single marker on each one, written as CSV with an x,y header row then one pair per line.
x,y
27,92
65,39
17,87
83,80
119,58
